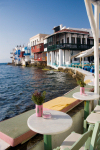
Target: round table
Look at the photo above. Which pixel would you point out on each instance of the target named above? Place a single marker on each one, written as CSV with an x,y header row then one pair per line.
x,y
58,123
87,97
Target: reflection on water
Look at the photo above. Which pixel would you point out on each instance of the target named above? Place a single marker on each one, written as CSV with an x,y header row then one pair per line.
x,y
18,83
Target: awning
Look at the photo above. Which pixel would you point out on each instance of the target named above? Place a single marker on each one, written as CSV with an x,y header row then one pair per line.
x,y
86,53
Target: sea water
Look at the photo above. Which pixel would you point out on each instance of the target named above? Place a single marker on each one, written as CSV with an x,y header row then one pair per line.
x,y
17,84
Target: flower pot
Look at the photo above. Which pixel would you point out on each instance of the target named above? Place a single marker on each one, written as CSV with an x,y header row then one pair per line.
x,y
81,90
39,110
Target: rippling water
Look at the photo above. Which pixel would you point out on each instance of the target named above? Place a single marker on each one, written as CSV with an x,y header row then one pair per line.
x,y
18,83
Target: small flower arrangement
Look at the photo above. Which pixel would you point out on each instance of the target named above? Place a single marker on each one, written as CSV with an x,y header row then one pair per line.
x,y
38,98
81,83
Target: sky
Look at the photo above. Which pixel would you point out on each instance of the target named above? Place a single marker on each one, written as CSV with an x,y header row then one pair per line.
x,y
22,19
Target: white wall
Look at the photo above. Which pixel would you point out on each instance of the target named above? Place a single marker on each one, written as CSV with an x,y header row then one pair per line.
x,y
37,39
23,61
22,49
74,53
67,56
27,58
45,42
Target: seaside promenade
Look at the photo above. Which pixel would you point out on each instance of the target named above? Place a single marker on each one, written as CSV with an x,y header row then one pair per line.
x,y
72,107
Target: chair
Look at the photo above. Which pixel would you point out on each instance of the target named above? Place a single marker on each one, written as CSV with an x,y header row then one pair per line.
x,y
89,140
92,70
97,109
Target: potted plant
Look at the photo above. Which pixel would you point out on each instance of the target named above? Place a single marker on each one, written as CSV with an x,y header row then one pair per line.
x,y
38,99
82,84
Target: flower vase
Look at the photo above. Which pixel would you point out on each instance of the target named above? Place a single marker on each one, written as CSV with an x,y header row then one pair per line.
x,y
81,90
39,110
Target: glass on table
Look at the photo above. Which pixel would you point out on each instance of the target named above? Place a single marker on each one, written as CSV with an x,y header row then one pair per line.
x,y
46,115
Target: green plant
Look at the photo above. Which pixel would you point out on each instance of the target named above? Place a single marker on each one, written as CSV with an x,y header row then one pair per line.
x,y
38,98
81,83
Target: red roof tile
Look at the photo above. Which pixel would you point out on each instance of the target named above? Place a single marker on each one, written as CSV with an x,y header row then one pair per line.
x,y
72,31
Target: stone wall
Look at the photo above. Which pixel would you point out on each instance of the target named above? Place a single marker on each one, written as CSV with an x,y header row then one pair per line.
x,y
75,74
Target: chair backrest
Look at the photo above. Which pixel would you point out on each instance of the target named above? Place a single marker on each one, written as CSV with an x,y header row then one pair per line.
x,y
91,139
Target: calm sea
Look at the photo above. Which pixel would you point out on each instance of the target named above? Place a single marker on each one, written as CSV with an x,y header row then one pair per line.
x,y
18,83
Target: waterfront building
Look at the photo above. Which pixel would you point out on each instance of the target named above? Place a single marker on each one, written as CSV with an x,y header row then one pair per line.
x,y
16,55
13,55
66,42
27,54
37,48
22,57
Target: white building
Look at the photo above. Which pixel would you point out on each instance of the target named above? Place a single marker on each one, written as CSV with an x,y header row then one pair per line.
x,y
17,54
27,54
22,57
66,42
37,47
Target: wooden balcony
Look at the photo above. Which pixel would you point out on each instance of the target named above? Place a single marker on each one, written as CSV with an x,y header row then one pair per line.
x,y
69,46
37,48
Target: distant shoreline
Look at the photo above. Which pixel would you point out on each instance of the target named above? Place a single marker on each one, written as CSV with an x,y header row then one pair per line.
x,y
3,63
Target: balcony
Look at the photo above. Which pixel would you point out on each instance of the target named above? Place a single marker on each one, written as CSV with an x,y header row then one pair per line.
x,y
37,48
69,46
27,51
32,56
26,54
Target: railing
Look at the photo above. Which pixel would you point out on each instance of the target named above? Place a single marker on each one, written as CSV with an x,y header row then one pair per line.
x,y
69,46
26,54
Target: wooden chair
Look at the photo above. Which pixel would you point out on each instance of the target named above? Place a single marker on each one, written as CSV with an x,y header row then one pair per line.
x,y
87,141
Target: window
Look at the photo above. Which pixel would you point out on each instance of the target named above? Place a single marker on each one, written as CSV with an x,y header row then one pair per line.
x,y
35,56
68,40
57,43
73,40
83,41
33,42
45,45
91,42
62,41
38,47
75,59
78,40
